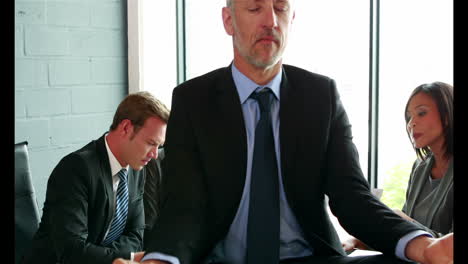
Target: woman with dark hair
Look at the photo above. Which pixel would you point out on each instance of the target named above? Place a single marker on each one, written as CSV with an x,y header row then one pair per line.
x,y
429,196
429,124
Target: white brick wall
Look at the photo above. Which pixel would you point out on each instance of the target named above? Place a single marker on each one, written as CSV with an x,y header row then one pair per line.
x,y
70,75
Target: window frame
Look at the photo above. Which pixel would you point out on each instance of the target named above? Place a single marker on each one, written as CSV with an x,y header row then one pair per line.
x,y
135,72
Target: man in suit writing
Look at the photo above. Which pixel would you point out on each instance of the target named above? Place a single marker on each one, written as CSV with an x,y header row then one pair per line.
x,y
260,136
93,212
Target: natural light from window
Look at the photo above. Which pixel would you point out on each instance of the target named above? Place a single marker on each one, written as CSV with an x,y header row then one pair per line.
x,y
416,47
159,48
329,37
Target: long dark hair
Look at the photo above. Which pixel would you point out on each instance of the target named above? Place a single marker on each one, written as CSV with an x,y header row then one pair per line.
x,y
442,94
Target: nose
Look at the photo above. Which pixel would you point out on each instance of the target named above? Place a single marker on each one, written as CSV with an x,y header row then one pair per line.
x,y
270,17
153,153
411,124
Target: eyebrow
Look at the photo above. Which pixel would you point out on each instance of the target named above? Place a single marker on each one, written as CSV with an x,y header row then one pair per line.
x,y
276,1
416,107
151,141
422,105
156,142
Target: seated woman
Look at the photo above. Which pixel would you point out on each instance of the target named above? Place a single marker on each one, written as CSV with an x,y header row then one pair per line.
x,y
429,196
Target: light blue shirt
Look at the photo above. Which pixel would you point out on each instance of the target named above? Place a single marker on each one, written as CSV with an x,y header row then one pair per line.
x,y
232,248
292,242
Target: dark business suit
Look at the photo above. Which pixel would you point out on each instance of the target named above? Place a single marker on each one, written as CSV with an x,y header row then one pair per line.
x,y
206,160
153,193
79,207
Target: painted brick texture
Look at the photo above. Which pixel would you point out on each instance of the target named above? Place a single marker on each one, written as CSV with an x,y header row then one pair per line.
x,y
70,75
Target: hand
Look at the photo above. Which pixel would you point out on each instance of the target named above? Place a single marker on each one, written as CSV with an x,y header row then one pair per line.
x,y
440,251
123,261
352,243
138,256
403,215
428,250
349,244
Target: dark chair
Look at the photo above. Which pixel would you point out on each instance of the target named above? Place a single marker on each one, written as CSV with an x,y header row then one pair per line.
x,y
26,210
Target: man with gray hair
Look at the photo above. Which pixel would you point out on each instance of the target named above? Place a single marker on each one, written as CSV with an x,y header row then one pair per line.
x,y
253,148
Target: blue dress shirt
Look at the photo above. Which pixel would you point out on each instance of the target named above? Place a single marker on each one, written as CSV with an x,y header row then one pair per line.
x,y
292,242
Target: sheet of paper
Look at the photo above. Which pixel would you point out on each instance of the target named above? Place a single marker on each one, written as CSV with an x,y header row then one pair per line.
x,y
360,252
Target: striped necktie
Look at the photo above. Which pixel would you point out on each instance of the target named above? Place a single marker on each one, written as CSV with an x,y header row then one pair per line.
x,y
121,209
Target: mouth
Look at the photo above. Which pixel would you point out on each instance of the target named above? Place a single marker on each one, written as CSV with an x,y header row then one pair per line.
x,y
268,37
266,40
417,135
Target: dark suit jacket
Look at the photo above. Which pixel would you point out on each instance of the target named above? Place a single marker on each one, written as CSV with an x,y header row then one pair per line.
x,y
153,193
439,218
205,166
79,207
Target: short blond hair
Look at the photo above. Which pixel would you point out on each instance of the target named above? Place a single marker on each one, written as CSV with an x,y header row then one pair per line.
x,y
138,107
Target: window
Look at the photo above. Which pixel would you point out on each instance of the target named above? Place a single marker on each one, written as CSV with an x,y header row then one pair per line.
x,y
208,45
153,47
329,40
414,45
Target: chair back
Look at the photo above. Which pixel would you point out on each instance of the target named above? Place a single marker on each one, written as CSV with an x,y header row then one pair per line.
x,y
26,209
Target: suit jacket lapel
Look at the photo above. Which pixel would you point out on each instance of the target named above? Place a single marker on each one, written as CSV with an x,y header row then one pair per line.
x,y
288,124
419,178
229,124
105,173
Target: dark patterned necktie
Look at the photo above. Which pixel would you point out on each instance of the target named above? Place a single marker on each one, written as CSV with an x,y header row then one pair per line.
x,y
263,223
121,209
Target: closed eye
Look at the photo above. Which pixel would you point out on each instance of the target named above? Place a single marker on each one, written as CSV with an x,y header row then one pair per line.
x,y
151,143
282,8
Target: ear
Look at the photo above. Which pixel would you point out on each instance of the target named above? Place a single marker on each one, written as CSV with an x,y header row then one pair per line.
x,y
125,127
227,20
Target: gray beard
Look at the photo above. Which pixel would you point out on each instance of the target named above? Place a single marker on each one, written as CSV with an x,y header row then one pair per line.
x,y
263,64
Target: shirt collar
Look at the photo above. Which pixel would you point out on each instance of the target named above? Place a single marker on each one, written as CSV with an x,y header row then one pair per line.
x,y
114,163
245,86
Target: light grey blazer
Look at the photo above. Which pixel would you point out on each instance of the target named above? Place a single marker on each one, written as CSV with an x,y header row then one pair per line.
x,y
439,220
